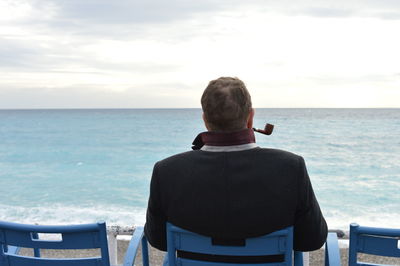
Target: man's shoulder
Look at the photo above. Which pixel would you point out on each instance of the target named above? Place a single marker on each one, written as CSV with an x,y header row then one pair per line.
x,y
178,158
256,153
279,154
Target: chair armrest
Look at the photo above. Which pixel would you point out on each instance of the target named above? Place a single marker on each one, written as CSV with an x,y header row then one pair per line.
x,y
298,258
332,253
137,238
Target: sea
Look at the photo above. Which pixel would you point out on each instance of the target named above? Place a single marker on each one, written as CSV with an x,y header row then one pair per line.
x,y
80,166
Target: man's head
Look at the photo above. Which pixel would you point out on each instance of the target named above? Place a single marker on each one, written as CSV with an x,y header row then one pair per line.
x,y
226,105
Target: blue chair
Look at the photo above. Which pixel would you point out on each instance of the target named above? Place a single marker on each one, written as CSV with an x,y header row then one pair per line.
x,y
14,236
367,240
185,248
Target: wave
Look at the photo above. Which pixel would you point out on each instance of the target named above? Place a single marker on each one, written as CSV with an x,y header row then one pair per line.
x,y
68,214
128,216
342,220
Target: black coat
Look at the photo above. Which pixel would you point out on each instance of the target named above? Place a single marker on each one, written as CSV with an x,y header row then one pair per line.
x,y
234,195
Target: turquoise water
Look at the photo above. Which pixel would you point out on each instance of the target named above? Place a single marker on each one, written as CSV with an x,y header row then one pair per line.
x,y
73,166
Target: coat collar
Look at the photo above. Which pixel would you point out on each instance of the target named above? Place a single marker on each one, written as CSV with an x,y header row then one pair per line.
x,y
212,138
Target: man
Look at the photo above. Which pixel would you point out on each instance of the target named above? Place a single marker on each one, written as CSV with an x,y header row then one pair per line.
x,y
228,187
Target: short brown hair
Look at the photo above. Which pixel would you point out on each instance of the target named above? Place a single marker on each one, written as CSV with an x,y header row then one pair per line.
x,y
226,104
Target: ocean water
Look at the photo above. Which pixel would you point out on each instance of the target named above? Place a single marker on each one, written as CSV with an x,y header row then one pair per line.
x,y
75,166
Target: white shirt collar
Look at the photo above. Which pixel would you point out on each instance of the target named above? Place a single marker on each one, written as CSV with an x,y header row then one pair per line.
x,y
241,147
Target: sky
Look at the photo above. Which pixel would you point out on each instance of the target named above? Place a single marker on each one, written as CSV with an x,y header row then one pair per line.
x,y
162,54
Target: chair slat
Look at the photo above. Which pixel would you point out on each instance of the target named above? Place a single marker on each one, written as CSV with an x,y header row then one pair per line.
x,y
187,262
51,228
271,244
29,261
278,243
377,245
254,246
80,240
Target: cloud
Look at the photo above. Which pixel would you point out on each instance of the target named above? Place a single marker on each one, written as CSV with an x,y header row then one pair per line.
x,y
166,95
342,80
72,14
385,9
325,12
75,14
127,11
16,54
127,19
52,56
389,15
132,53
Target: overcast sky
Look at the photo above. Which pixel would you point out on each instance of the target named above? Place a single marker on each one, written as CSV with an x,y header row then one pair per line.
x,y
157,53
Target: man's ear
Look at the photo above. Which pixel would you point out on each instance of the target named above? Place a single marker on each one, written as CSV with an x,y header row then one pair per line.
x,y
250,119
205,122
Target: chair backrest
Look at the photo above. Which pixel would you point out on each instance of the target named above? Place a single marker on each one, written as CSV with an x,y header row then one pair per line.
x,y
85,236
374,241
188,248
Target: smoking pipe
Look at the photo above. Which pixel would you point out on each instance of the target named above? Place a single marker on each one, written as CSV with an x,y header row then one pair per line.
x,y
267,129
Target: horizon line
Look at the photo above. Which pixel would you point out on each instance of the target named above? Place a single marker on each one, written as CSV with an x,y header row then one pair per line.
x,y
177,108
